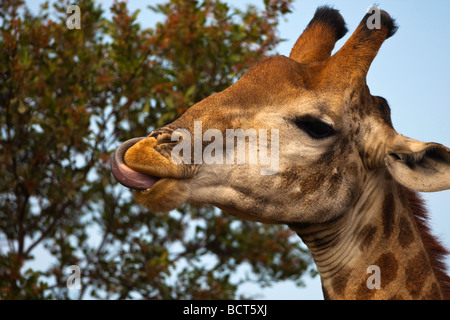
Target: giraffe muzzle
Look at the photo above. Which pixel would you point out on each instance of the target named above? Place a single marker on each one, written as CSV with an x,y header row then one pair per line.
x,y
124,174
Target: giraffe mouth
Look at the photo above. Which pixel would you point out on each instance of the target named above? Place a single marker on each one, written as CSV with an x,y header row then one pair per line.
x,y
124,174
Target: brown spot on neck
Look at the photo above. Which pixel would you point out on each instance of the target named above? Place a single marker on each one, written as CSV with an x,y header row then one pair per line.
x,y
418,271
339,282
405,235
367,236
388,265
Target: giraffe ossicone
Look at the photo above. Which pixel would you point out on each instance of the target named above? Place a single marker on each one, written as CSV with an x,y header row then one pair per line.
x,y
346,181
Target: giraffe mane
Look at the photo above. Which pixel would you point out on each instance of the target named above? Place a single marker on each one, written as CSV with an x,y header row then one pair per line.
x,y
435,250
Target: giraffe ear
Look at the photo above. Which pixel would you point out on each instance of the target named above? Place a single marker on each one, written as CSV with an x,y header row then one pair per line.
x,y
418,165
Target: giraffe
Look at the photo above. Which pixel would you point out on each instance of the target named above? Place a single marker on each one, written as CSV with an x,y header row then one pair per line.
x,y
347,183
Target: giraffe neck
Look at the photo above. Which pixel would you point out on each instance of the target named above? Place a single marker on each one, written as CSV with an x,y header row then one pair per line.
x,y
375,251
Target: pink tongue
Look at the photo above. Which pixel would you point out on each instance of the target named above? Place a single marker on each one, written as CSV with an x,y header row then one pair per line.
x,y
124,174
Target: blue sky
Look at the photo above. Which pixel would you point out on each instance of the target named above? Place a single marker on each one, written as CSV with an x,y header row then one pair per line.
x,y
411,71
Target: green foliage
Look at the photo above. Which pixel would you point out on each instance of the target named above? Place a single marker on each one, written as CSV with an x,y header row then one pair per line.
x,y
67,97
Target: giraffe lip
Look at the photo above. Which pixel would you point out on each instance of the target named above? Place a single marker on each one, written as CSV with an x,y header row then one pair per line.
x,y
125,175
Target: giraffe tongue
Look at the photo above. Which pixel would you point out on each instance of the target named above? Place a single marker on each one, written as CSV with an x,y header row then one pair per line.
x,y
125,175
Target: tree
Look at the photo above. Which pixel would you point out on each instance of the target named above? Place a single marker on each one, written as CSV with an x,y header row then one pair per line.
x,y
68,97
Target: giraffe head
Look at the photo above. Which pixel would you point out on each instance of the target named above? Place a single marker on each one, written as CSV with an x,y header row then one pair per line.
x,y
325,133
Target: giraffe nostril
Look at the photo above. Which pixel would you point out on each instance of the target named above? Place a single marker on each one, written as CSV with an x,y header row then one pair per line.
x,y
162,135
164,138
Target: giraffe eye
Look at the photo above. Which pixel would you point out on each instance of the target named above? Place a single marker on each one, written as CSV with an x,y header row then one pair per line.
x,y
315,128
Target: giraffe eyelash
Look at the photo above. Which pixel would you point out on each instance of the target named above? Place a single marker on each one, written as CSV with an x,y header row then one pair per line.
x,y
314,127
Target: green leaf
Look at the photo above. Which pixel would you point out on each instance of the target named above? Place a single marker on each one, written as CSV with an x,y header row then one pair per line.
x,y
190,91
